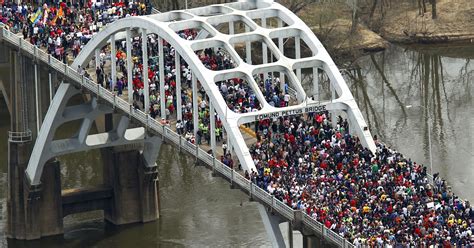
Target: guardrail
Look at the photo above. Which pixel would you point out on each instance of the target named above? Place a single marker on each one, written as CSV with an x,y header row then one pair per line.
x,y
234,177
19,137
292,92
154,11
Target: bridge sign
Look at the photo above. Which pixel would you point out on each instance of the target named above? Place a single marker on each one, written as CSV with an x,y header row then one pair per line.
x,y
309,109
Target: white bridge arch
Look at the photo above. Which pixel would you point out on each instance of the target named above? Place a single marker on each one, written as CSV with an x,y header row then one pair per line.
x,y
165,25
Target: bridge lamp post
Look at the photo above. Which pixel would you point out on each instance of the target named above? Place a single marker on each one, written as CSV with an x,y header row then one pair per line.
x,y
429,134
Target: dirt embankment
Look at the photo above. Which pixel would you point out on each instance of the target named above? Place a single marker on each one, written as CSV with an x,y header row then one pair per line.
x,y
344,41
331,22
400,23
454,22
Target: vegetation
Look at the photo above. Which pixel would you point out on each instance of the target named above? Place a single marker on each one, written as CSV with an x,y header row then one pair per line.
x,y
353,27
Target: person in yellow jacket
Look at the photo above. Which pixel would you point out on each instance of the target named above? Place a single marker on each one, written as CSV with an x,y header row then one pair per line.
x,y
366,209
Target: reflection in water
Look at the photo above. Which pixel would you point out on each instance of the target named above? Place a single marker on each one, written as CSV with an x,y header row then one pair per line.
x,y
440,91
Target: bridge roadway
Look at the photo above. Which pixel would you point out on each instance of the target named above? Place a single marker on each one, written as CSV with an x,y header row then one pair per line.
x,y
300,220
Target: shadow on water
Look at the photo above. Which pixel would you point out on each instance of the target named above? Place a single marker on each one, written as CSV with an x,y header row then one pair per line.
x,y
452,50
95,233
438,89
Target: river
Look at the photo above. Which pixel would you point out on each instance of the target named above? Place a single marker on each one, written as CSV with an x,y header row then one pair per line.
x,y
200,210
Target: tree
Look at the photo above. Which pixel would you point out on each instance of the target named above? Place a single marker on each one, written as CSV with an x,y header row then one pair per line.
x,y
353,4
297,5
434,15
167,5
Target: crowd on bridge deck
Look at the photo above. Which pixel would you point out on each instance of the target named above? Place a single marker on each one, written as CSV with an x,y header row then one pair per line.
x,y
374,200
238,94
63,26
184,126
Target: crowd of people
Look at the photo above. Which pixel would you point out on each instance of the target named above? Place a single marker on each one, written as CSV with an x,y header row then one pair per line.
x,y
373,200
61,26
239,95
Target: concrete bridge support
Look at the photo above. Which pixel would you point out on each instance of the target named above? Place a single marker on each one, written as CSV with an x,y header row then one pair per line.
x,y
135,195
271,223
134,182
32,211
36,204
310,241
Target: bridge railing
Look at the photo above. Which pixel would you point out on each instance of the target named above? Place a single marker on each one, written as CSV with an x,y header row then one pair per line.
x,y
233,176
154,11
19,137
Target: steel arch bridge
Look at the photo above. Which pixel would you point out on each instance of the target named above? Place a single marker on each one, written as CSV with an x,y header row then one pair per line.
x,y
254,14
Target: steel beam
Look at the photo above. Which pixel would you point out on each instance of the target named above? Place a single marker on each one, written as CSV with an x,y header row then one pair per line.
x,y
146,87
37,102
161,67
113,61
195,105
298,55
129,65
212,130
281,46
179,113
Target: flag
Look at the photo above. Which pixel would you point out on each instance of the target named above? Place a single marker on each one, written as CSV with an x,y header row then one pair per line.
x,y
60,13
35,18
46,14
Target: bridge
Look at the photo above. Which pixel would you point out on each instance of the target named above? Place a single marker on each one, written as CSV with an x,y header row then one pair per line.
x,y
251,33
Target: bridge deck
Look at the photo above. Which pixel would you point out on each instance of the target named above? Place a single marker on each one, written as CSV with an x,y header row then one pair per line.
x,y
169,135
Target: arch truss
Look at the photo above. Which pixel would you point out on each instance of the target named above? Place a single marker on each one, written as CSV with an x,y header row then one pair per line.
x,y
47,147
265,23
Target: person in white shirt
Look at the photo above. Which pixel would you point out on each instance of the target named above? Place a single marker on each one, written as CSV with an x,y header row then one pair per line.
x,y
179,127
224,147
203,104
287,99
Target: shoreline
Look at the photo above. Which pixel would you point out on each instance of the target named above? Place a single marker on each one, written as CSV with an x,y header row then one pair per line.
x,y
358,48
442,38
403,25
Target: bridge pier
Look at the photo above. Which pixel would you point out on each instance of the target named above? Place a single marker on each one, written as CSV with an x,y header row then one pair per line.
x,y
33,212
134,186
36,204
310,241
271,223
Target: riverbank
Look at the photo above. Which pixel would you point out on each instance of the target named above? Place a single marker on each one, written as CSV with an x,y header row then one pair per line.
x,y
341,42
454,23
332,25
400,23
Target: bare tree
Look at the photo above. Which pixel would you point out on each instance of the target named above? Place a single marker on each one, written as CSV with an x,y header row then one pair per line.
x,y
297,5
354,5
167,5
434,14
